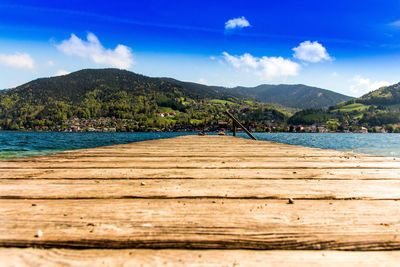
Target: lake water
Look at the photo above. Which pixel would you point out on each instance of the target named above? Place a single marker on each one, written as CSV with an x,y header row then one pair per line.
x,y
371,143
23,144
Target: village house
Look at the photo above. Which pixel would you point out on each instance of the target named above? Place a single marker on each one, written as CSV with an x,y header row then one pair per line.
x,y
363,130
380,129
322,129
168,114
75,128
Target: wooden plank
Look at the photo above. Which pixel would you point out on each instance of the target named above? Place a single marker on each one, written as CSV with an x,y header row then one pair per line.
x,y
196,188
201,192
177,164
192,145
107,158
176,257
174,173
206,165
195,147
168,153
202,223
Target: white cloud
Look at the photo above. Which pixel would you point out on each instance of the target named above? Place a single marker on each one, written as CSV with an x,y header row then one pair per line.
x,y
396,23
266,68
203,81
50,63
120,57
335,74
18,60
362,85
237,23
61,72
311,52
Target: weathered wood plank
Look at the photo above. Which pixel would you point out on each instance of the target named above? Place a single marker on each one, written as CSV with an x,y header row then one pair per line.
x,y
215,153
102,158
193,148
202,223
196,188
178,162
193,173
121,158
201,192
176,257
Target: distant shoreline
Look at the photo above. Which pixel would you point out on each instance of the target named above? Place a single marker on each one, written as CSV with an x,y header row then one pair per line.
x,y
227,132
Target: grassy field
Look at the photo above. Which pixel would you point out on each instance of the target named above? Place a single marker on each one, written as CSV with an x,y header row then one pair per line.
x,y
166,109
397,106
184,102
358,116
220,101
195,121
321,117
352,107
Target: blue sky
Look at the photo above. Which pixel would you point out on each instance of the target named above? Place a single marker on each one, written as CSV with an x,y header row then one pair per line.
x,y
350,47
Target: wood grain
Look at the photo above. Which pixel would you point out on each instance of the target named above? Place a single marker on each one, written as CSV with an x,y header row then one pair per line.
x,y
202,223
206,164
205,188
199,173
178,257
146,257
200,192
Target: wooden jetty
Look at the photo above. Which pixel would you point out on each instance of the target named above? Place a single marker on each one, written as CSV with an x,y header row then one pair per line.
x,y
162,202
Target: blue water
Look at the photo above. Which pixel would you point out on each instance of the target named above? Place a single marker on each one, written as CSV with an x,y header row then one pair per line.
x,y
23,144
372,143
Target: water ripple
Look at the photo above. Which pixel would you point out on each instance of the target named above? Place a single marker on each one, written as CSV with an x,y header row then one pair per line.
x,y
24,144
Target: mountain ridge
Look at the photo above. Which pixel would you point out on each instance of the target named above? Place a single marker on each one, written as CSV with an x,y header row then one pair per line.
x,y
292,95
298,96
130,101
121,94
376,108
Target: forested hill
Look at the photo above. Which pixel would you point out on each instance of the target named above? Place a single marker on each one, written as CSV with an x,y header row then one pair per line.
x,y
376,108
108,82
93,93
147,103
295,96
121,94
204,90
387,95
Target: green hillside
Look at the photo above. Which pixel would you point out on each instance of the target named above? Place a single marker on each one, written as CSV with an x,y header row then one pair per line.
x,y
296,96
377,108
385,96
132,101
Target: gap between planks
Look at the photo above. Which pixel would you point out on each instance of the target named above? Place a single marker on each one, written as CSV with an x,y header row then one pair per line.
x,y
171,173
169,257
210,188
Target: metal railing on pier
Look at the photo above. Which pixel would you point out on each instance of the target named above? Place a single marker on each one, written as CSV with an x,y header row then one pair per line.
x,y
236,123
